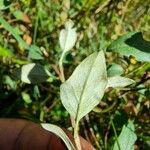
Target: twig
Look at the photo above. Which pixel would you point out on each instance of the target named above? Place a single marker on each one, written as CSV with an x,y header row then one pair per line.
x,y
106,136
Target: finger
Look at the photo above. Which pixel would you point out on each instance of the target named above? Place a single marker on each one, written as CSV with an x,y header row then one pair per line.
x,y
25,135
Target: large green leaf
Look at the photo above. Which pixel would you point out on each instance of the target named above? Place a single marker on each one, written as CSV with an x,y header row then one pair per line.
x,y
132,44
126,138
85,88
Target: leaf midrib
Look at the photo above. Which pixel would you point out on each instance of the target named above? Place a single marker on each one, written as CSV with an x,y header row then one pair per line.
x,y
67,30
82,92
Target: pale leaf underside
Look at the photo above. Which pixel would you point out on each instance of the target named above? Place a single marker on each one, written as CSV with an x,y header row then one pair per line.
x,y
85,88
67,38
59,132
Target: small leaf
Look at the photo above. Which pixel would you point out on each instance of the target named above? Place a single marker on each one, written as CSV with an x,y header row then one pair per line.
x,y
126,138
5,52
10,82
32,73
118,81
132,44
67,37
59,132
85,88
26,98
21,16
114,69
35,53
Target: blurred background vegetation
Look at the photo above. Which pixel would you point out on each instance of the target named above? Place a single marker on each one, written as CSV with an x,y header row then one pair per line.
x,y
29,32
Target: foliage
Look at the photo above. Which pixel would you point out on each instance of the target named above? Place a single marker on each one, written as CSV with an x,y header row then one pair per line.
x,y
105,42
132,44
126,138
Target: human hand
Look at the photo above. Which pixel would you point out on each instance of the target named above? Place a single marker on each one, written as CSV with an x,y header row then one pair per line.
x,y
18,134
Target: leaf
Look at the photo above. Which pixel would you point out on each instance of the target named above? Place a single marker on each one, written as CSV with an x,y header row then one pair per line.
x,y
132,44
10,82
85,88
5,52
118,81
32,73
115,69
19,15
19,61
59,132
67,37
126,138
35,53
26,97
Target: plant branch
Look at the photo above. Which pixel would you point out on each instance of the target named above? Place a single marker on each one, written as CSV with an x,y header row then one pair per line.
x,y
75,124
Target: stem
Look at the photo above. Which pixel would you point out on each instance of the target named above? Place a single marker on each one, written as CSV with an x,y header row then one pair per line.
x,y
35,29
75,124
61,68
76,136
138,71
98,110
116,137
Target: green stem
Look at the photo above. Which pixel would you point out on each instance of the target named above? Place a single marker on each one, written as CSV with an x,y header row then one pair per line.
x,y
75,125
140,69
98,110
116,137
76,136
